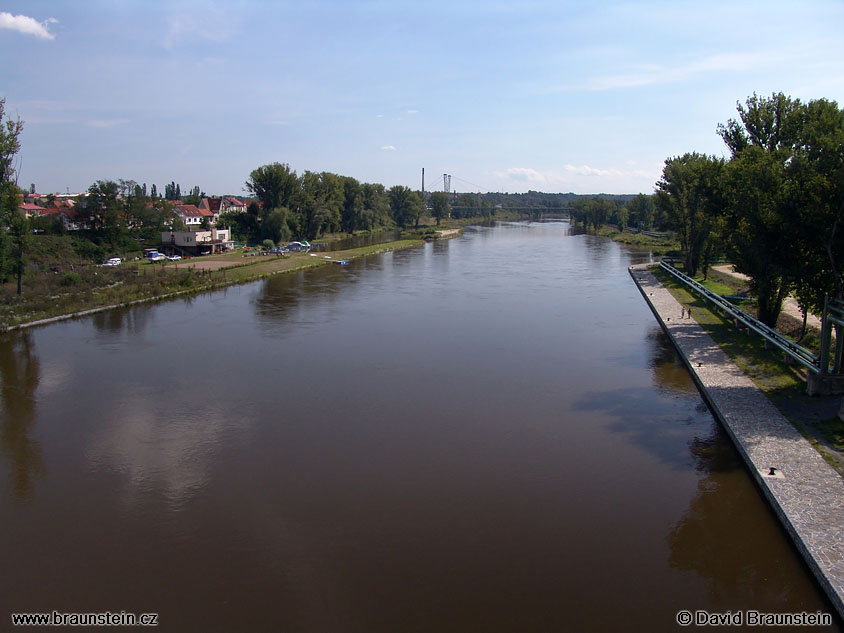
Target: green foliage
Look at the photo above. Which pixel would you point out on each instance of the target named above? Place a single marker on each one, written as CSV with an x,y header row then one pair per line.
x,y
405,205
10,131
273,184
785,186
71,278
690,195
642,210
593,212
439,205
268,244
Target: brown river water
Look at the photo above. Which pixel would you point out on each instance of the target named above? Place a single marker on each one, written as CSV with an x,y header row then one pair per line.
x,y
485,434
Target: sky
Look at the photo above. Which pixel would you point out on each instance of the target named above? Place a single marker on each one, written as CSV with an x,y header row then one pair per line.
x,y
556,96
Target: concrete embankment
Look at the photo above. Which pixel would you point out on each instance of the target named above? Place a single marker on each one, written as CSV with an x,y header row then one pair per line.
x,y
805,492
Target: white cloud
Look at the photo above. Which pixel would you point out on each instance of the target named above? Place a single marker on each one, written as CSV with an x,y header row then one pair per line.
x,y
27,25
654,74
212,25
524,174
412,111
579,178
388,148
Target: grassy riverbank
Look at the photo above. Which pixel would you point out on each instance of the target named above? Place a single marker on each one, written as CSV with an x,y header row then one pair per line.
x,y
784,383
62,285
657,245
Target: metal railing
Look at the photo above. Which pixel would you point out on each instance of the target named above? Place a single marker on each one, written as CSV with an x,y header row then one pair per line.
x,y
800,354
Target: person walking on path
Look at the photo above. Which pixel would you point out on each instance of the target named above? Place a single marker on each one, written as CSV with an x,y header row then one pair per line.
x,y
683,313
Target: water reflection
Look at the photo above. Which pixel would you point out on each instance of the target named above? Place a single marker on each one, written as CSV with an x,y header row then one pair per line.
x,y
745,562
20,375
668,370
164,452
358,241
129,320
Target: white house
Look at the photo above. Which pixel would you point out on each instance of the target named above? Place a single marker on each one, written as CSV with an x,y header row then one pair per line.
x,y
199,242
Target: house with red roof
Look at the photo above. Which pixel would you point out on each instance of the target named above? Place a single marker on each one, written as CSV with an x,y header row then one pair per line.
x,y
192,215
230,204
29,209
67,215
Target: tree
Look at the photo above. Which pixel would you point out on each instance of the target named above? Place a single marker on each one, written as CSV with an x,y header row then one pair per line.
x,y
642,212
376,206
816,171
274,226
273,184
10,130
318,202
352,211
439,205
104,211
690,195
785,206
405,205
759,242
14,222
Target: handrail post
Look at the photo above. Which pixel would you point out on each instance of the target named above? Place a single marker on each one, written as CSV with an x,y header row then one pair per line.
x,y
823,361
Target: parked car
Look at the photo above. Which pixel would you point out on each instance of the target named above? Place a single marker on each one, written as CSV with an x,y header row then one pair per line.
x,y
155,256
113,261
174,258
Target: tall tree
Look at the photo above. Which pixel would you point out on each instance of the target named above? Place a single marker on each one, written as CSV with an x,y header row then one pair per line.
x,y
760,196
759,242
14,225
405,205
104,212
376,206
439,205
273,184
642,212
351,214
817,175
690,194
318,202
10,130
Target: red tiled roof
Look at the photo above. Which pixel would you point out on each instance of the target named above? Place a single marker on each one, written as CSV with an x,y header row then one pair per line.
x,y
26,206
212,204
69,213
191,211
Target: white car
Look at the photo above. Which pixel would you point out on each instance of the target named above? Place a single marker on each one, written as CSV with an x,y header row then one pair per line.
x,y
174,258
156,257
114,261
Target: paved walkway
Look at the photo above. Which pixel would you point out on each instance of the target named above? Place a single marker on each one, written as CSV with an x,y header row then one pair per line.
x,y
789,306
806,493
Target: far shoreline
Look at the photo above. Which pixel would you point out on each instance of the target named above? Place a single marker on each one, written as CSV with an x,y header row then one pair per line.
x,y
237,272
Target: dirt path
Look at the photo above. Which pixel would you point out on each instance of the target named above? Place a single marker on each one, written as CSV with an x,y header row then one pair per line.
x,y
789,306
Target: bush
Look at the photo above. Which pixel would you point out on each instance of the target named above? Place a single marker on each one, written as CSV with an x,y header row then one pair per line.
x,y
71,279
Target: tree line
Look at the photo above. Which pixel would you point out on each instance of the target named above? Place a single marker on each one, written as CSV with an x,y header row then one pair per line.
x,y
774,208
291,206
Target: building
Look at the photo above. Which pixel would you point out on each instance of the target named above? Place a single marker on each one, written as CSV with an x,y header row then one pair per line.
x,y
192,216
196,242
230,204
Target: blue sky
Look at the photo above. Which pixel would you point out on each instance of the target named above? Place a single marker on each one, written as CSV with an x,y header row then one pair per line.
x,y
505,96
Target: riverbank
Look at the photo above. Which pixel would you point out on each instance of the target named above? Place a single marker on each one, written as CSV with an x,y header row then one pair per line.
x,y
806,493
142,282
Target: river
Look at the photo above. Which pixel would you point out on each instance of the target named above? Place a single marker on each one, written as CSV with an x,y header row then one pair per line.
x,y
489,433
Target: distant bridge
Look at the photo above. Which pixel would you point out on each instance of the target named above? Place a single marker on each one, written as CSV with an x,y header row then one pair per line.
x,y
533,209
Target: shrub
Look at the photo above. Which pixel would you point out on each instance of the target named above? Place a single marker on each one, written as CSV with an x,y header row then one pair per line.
x,y
71,279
